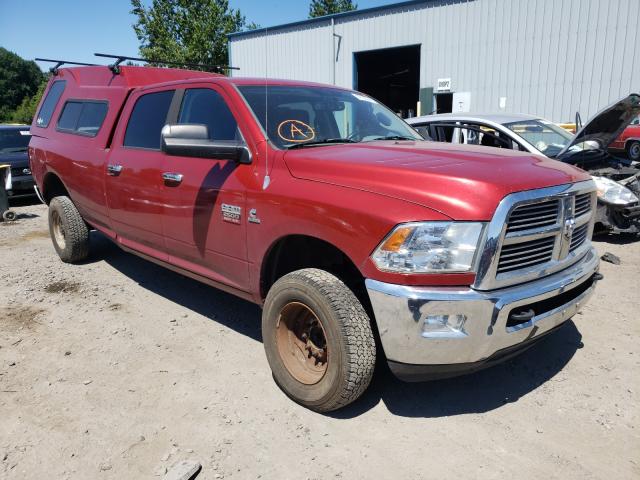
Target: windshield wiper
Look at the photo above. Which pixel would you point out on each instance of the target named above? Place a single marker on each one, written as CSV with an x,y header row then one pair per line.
x,y
393,137
321,142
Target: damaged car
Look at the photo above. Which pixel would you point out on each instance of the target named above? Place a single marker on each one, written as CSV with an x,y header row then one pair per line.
x,y
617,178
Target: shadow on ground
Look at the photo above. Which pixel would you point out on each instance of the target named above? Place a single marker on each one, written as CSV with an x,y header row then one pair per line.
x,y
233,312
476,393
24,201
617,238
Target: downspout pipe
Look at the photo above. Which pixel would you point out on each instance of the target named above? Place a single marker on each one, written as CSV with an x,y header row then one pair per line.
x,y
333,49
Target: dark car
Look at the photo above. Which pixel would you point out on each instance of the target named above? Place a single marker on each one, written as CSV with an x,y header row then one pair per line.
x,y
14,141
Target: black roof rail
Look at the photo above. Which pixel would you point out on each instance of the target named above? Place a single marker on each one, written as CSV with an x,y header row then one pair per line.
x,y
115,66
59,63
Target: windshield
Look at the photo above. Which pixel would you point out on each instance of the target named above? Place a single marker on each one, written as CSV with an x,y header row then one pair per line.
x,y
546,136
302,115
14,140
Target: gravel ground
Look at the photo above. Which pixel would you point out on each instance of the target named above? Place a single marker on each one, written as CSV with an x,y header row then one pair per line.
x,y
118,368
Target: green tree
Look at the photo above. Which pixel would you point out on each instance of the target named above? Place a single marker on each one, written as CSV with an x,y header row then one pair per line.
x,y
191,31
19,79
25,112
319,8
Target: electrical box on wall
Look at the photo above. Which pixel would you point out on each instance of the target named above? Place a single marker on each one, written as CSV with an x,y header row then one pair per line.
x,y
461,102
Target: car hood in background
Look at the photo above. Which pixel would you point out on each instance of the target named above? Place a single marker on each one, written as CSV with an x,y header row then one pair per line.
x,y
462,182
608,124
15,159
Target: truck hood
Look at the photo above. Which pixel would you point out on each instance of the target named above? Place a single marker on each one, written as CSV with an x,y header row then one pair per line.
x,y
462,182
607,125
15,159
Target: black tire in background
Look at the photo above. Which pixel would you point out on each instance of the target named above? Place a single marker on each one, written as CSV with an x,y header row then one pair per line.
x,y
633,150
69,232
318,340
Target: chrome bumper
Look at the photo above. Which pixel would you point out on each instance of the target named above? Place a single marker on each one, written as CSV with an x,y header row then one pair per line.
x,y
400,313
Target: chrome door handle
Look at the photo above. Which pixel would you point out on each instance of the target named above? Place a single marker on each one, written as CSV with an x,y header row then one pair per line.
x,y
172,177
114,170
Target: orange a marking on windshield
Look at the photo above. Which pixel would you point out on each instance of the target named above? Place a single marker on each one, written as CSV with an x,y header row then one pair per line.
x,y
297,131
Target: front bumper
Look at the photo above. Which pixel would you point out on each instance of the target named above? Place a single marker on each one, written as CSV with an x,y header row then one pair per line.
x,y
400,313
21,186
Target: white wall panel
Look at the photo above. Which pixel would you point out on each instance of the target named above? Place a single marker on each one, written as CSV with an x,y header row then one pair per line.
x,y
548,57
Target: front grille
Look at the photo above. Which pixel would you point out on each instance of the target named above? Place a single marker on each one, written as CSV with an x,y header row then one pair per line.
x,y
536,233
579,237
583,204
527,254
535,215
17,172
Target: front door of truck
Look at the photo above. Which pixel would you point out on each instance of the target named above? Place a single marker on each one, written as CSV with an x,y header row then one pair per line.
x,y
135,186
205,216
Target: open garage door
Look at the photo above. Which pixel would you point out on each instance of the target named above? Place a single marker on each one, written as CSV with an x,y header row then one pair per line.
x,y
392,76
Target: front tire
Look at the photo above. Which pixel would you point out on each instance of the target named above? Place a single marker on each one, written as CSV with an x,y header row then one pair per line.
x,y
318,340
69,233
633,150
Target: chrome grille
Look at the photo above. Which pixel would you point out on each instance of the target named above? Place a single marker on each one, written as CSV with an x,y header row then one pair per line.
x,y
583,204
535,233
534,215
579,237
526,254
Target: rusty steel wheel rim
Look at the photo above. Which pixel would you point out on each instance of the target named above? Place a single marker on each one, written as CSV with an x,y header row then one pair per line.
x,y
58,230
302,343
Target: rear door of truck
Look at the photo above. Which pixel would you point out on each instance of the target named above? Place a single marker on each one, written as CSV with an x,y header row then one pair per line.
x,y
134,183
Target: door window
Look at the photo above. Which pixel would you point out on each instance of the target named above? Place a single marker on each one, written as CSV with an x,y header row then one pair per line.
x,y
148,117
423,130
207,107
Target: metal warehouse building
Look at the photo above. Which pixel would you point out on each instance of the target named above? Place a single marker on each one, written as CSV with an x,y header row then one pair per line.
x,y
545,57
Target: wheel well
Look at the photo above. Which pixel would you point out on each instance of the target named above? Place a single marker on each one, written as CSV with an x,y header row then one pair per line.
x,y
295,252
53,187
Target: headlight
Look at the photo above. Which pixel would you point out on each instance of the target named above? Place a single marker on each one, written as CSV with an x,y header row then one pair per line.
x,y
610,191
429,247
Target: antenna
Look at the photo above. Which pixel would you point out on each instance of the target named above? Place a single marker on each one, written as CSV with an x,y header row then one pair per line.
x,y
59,63
115,66
267,178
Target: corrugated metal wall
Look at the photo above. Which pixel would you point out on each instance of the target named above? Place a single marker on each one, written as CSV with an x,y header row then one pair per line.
x,y
547,57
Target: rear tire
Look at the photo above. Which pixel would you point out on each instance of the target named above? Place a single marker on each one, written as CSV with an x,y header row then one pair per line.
x,y
318,340
633,150
69,233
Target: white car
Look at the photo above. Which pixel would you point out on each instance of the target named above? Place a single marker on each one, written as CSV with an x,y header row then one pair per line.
x,y
618,179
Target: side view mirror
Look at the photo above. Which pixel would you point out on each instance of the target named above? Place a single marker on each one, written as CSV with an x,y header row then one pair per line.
x,y
192,140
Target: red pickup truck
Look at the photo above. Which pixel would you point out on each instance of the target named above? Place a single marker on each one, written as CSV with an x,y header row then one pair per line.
x,y
357,237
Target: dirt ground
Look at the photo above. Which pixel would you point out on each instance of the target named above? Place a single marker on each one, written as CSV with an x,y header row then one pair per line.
x,y
118,368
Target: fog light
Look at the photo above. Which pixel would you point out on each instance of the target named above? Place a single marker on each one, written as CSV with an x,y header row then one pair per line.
x,y
444,326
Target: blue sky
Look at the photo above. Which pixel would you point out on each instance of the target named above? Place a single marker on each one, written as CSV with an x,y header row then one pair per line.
x,y
75,29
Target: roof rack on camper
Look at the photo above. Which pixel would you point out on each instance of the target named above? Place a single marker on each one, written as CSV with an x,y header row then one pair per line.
x,y
115,66
59,63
